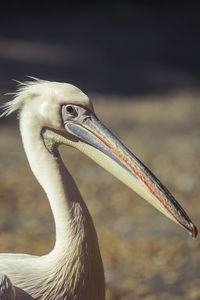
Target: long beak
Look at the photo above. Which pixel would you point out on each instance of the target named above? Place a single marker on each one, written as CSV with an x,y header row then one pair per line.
x,y
111,154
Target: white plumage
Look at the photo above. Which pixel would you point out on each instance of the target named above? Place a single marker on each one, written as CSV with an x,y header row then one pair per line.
x,y
51,114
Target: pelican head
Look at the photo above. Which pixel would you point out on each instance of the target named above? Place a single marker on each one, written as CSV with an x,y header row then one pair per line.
x,y
66,116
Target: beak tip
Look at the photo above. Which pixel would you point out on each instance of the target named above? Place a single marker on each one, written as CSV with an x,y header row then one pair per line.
x,y
194,230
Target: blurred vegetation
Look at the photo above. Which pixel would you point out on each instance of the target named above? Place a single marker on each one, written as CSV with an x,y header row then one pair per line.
x,y
146,256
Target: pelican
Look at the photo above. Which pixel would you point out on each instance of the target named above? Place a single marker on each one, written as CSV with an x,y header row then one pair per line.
x,y
51,114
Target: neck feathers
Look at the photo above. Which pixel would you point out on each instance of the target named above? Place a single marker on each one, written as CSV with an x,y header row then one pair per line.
x,y
74,265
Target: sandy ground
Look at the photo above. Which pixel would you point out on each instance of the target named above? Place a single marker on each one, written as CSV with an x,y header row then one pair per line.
x,y
146,256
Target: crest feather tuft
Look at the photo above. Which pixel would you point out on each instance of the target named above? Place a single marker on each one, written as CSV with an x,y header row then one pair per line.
x,y
24,90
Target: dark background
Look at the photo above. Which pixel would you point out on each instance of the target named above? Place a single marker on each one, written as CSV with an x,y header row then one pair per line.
x,y
126,47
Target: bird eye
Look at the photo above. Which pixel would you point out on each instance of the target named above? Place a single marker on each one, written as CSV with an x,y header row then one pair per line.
x,y
70,109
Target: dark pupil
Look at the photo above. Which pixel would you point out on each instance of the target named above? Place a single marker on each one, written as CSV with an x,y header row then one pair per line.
x,y
69,109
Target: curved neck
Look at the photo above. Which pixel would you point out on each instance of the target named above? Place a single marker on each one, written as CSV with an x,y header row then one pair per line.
x,y
76,257
68,208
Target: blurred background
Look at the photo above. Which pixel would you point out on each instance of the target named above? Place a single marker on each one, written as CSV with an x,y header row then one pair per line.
x,y
139,62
